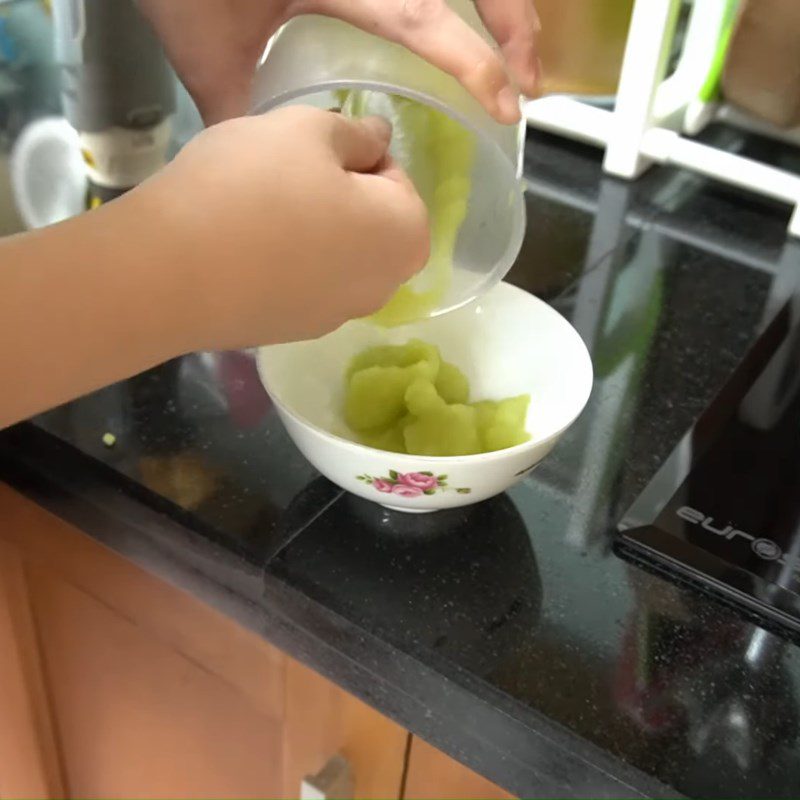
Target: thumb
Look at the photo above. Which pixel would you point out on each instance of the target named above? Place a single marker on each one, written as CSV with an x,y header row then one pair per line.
x,y
220,106
361,145
219,96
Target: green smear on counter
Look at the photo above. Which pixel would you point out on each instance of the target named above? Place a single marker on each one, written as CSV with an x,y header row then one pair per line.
x,y
438,155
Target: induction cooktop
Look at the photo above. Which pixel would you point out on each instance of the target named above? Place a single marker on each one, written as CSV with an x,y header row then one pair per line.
x,y
723,512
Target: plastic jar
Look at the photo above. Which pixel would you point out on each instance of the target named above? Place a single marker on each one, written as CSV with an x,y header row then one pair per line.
x,y
313,57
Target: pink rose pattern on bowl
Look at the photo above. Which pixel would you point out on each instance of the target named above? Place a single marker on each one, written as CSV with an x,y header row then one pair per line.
x,y
410,484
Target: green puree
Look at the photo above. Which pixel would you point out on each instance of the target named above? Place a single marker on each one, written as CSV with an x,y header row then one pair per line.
x,y
406,399
438,155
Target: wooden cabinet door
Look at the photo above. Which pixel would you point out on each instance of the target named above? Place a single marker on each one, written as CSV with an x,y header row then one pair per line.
x,y
116,684
124,686
136,718
432,775
29,763
323,722
151,693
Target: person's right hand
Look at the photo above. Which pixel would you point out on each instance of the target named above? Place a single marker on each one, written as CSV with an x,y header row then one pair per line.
x,y
284,226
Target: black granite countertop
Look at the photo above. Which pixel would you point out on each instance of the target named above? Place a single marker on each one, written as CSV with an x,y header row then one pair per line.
x,y
508,634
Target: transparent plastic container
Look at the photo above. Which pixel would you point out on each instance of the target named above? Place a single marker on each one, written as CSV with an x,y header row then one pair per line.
x,y
313,57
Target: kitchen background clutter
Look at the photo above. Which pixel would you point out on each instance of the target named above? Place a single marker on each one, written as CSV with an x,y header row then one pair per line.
x,y
681,61
96,122
691,61
28,82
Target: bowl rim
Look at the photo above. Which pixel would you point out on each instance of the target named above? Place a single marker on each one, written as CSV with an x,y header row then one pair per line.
x,y
493,455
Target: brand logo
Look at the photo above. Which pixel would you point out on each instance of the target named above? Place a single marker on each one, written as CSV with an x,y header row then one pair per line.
x,y
765,549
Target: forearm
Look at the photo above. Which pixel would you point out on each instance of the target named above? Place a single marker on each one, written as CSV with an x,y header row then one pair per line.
x,y
86,303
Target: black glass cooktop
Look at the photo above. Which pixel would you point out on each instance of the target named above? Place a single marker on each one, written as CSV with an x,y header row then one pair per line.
x,y
723,512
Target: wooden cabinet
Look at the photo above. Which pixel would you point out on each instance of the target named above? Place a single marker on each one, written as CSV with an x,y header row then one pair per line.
x,y
432,774
29,764
137,718
116,684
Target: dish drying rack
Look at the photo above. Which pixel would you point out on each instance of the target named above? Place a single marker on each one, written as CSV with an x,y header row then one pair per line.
x,y
654,114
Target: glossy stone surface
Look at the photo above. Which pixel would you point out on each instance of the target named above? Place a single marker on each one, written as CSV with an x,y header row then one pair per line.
x,y
509,634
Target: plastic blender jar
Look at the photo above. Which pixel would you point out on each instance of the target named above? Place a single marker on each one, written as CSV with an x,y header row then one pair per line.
x,y
312,57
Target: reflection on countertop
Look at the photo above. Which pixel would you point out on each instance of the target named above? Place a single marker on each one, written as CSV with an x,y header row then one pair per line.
x,y
509,634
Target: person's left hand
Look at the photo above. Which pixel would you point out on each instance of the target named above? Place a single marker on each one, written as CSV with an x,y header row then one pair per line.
x,y
215,45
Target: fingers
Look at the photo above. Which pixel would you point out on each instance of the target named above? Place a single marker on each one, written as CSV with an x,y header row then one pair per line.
x,y
361,145
356,145
436,32
217,103
515,25
432,30
390,169
394,209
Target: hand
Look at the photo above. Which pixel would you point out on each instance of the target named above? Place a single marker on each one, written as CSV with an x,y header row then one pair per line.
x,y
286,225
215,45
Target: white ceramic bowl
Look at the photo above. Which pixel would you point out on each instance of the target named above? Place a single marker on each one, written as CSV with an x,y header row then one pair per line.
x,y
507,343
